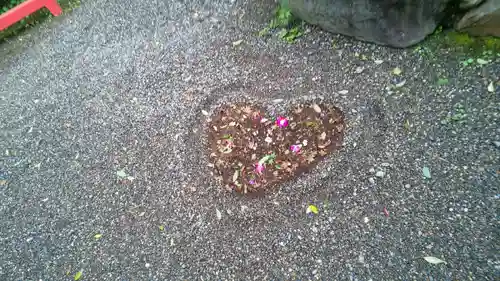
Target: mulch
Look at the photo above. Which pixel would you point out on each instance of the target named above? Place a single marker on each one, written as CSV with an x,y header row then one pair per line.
x,y
251,151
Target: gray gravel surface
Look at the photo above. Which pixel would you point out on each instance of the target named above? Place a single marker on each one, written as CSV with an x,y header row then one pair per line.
x,y
121,84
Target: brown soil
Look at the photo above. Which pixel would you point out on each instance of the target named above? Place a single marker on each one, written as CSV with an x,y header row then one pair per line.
x,y
242,138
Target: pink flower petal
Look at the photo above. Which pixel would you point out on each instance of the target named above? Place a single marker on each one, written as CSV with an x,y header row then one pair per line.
x,y
259,168
295,148
281,122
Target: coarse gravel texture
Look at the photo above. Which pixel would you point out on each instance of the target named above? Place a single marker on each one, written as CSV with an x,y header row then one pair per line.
x,y
121,85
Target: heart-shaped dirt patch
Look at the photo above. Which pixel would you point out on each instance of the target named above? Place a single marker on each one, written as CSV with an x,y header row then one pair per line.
x,y
251,151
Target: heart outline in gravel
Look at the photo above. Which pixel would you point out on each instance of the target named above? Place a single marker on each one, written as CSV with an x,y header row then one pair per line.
x,y
251,151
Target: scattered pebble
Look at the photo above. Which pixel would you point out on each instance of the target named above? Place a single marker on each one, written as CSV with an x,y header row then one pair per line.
x,y
372,170
366,219
385,164
380,174
496,143
371,180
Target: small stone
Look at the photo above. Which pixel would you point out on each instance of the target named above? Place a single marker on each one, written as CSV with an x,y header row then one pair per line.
x,y
372,170
496,143
314,229
380,174
359,69
343,92
371,180
148,265
385,164
366,219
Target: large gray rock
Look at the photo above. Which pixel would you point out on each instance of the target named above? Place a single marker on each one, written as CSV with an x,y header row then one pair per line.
x,y
483,20
397,23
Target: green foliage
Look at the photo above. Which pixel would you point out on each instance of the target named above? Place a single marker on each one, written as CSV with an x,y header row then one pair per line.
x,y
458,115
8,4
290,28
467,43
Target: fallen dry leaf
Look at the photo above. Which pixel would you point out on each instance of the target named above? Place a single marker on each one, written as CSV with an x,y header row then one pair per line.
x,y
218,214
312,209
491,87
322,136
237,43
397,71
316,108
434,260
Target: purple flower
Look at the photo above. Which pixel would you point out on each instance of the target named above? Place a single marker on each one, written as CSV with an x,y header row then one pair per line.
x,y
295,148
259,168
251,181
281,122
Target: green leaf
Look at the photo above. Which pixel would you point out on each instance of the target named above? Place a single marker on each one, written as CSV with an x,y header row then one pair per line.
x,y
283,32
78,275
264,32
312,209
267,158
442,81
407,125
426,172
434,260
97,236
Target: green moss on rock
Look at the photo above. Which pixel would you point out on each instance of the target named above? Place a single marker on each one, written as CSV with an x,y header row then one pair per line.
x,y
465,43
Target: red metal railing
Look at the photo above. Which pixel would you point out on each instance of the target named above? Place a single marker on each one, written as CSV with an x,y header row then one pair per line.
x,y
27,8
